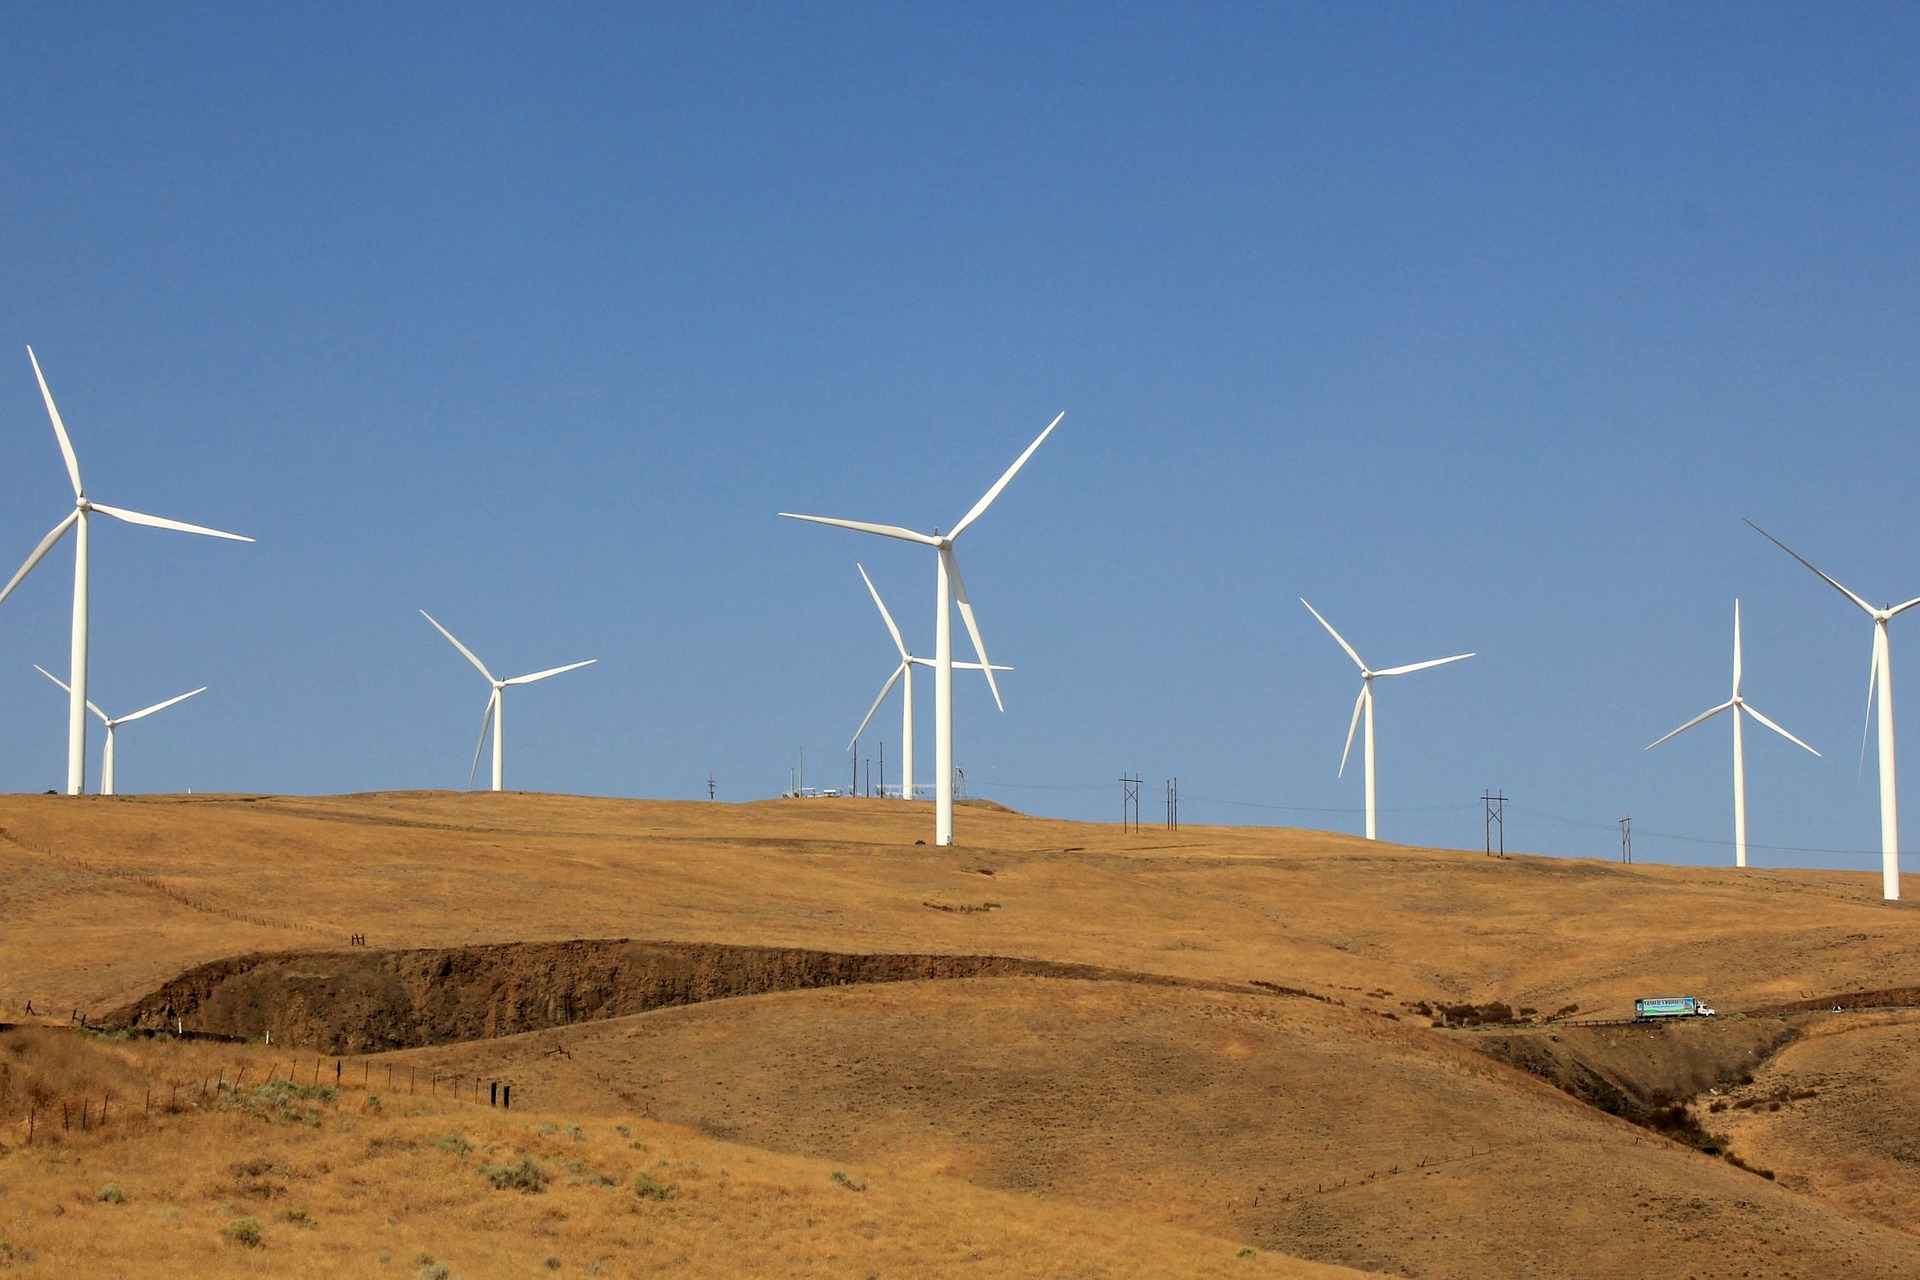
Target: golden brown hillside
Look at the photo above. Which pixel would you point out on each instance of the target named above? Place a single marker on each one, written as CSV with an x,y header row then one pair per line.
x,y
1213,1029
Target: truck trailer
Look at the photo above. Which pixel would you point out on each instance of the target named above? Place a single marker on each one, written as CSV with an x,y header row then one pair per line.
x,y
1670,1007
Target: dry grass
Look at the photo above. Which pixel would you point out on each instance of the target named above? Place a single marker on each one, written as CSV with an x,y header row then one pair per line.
x,y
1836,1116
354,1187
1132,1112
106,898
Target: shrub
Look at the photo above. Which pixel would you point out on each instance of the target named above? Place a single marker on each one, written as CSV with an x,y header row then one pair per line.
x,y
111,1194
551,1262
525,1175
454,1144
649,1188
244,1231
847,1182
431,1271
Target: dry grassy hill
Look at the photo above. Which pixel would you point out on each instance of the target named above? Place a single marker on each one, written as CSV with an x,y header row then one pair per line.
x,y
1236,1053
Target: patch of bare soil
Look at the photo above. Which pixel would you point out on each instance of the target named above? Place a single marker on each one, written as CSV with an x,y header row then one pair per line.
x,y
363,1000
1641,1071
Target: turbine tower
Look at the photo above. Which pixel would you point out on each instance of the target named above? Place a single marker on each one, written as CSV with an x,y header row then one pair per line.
x,y
908,661
1879,676
496,708
1737,705
948,591
114,722
1365,704
77,520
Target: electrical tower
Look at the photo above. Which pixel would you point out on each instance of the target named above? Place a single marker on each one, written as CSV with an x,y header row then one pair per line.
x,y
1626,838
1129,802
1496,808
709,786
1173,804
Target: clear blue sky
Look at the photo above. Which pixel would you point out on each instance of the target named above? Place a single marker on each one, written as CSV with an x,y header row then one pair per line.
x,y
1480,327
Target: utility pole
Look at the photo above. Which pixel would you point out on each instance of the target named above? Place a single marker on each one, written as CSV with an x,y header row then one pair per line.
x,y
1626,838
883,768
1129,802
709,786
1496,809
1173,804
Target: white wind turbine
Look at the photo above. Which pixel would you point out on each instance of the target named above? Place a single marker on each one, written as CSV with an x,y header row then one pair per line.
x,y
948,591
496,707
114,722
1737,705
1879,675
77,520
908,661
1365,704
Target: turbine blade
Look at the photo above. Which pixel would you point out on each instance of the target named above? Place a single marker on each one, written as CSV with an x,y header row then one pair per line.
x,y
1736,650
158,706
486,723
1902,608
1366,686
1422,666
885,689
462,648
1776,728
161,522
1873,673
886,617
68,689
1704,715
967,666
59,427
1019,462
1803,560
550,671
39,552
1337,636
966,616
884,530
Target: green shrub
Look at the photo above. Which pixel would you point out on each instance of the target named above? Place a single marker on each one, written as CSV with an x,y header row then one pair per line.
x,y
454,1144
649,1188
111,1194
525,1175
244,1231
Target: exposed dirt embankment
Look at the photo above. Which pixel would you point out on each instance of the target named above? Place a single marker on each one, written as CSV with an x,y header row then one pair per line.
x,y
359,1001
1638,1071
1886,998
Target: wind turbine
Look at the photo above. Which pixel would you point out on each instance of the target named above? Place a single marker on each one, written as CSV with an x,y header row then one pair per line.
x,y
1738,705
77,520
1365,704
496,709
948,591
114,722
908,661
1880,675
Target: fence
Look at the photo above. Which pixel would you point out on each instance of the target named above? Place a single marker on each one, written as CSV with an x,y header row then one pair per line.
x,y
89,1112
